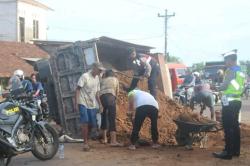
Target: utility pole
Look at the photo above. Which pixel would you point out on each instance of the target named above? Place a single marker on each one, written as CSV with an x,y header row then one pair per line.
x,y
166,16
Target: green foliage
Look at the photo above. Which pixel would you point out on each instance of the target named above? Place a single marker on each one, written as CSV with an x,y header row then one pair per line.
x,y
198,66
246,64
174,59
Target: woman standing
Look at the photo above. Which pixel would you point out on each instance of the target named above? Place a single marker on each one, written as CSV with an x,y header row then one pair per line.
x,y
109,89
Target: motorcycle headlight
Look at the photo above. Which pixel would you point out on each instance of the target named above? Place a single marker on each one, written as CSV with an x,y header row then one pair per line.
x,y
33,117
44,100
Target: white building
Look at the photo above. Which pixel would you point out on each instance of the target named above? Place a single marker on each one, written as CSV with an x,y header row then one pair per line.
x,y
23,20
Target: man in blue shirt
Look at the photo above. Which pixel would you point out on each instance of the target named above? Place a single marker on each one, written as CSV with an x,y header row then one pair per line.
x,y
27,85
37,86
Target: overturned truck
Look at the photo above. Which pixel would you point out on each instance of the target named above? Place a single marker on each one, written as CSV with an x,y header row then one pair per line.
x,y
69,60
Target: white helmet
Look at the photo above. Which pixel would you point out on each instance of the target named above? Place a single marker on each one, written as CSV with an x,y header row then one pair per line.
x,y
196,73
19,73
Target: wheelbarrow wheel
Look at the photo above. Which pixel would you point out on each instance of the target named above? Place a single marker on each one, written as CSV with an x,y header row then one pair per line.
x,y
181,137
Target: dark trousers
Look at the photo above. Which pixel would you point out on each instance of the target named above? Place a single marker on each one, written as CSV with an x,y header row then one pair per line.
x,y
109,112
141,113
152,80
135,79
204,97
230,122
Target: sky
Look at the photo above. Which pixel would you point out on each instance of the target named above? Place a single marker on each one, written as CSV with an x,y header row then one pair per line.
x,y
200,31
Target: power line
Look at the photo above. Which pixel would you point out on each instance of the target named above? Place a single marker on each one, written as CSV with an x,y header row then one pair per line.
x,y
144,38
88,30
143,4
77,29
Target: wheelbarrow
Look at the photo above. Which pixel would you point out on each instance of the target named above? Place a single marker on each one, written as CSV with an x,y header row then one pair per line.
x,y
192,132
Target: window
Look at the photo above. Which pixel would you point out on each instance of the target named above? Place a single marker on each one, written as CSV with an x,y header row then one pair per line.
x,y
35,29
21,29
89,56
181,72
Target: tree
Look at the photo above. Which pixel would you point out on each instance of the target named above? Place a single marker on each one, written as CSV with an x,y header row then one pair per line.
x,y
246,65
174,59
198,66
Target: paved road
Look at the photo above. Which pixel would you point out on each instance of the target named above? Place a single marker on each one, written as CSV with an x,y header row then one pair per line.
x,y
77,156
245,114
245,111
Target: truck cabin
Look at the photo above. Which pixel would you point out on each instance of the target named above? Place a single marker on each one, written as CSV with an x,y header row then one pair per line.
x,y
177,73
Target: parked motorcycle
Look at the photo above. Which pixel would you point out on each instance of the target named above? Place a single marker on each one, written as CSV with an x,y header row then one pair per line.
x,y
184,94
20,132
246,90
43,107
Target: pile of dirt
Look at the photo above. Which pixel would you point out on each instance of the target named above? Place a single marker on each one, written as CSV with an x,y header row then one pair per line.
x,y
194,118
245,130
169,110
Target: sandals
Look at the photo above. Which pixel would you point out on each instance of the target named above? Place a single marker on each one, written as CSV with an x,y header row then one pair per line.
x,y
188,147
117,144
156,146
86,147
132,147
102,141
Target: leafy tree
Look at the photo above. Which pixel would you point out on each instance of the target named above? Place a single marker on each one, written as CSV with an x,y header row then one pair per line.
x,y
174,59
198,66
247,65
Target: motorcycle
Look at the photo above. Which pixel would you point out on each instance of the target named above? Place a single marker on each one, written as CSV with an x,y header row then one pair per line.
x,y
43,107
246,90
184,94
21,132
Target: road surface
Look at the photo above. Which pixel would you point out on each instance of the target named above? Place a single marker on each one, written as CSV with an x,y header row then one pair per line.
x,y
103,155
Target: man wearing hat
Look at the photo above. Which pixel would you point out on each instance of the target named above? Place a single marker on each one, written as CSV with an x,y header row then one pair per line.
x,y
232,88
145,66
87,90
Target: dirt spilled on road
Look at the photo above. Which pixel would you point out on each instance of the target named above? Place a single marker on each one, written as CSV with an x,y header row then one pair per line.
x,y
169,110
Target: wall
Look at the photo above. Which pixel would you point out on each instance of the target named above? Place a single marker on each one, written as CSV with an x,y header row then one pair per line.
x,y
8,19
30,13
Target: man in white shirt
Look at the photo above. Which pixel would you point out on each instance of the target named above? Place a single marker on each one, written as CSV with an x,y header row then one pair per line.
x,y
142,105
87,97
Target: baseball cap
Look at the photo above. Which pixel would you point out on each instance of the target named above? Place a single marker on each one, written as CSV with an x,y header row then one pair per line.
x,y
98,65
230,55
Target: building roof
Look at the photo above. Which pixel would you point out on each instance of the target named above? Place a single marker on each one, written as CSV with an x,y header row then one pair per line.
x,y
50,42
36,3
14,55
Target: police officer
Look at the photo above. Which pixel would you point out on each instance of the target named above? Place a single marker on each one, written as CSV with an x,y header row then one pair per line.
x,y
232,88
18,81
145,66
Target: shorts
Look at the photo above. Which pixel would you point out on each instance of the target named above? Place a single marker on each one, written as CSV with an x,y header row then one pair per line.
x,y
109,112
205,97
88,116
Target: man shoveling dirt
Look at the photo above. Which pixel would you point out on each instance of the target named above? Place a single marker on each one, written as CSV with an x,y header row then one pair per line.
x,y
142,105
